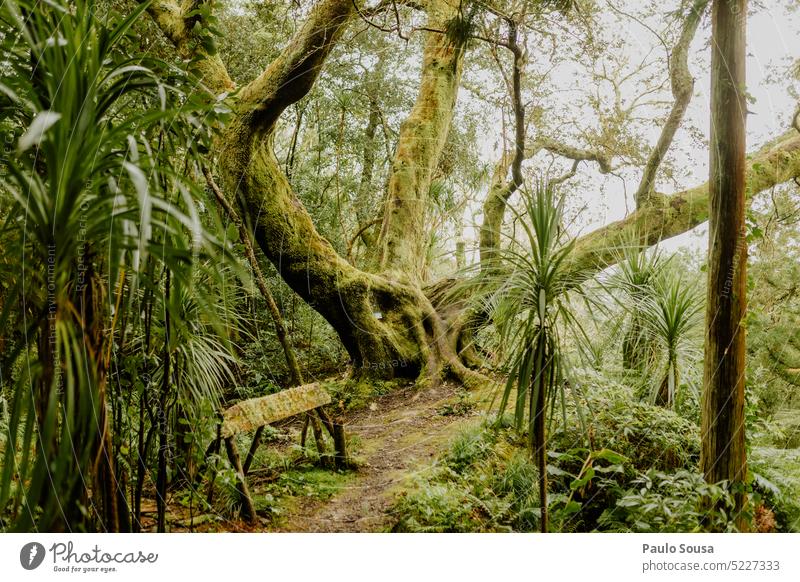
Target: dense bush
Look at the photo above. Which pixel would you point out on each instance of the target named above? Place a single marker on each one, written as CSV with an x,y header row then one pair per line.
x,y
649,436
670,502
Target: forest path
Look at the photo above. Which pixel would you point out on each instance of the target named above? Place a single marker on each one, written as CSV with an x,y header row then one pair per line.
x,y
399,434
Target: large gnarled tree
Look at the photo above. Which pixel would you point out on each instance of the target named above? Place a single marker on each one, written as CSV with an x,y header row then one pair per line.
x,y
390,323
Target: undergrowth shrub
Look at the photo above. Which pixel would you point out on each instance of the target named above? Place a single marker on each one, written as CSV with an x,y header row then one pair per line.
x,y
639,474
681,501
484,483
650,436
776,477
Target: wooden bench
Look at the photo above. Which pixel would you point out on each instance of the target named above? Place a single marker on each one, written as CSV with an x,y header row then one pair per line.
x,y
256,413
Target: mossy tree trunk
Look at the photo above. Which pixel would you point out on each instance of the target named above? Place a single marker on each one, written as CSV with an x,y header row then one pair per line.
x,y
422,138
388,328
723,444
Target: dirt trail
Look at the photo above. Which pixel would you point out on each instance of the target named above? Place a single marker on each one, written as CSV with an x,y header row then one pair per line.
x,y
401,433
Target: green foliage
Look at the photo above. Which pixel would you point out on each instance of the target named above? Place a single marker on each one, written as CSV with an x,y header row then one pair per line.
x,y
484,483
585,481
673,313
97,208
317,347
529,291
670,502
459,28
636,270
773,321
776,477
649,436
468,448
638,474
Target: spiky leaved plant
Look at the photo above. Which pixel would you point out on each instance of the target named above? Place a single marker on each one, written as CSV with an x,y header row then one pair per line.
x,y
96,208
530,290
636,270
672,316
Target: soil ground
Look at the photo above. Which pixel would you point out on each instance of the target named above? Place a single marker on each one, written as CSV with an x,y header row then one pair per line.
x,y
399,434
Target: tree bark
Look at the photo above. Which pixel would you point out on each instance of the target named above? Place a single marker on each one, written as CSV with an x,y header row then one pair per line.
x,y
403,237
722,455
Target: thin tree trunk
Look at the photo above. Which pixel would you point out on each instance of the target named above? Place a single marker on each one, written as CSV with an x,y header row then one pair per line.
x,y
723,439
261,281
540,439
161,419
364,202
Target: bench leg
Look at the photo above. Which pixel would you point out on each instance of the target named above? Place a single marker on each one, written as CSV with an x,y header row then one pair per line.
x,y
336,431
248,509
253,448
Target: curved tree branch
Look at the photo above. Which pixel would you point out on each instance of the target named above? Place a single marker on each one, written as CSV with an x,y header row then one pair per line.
x,y
603,160
500,190
682,87
664,217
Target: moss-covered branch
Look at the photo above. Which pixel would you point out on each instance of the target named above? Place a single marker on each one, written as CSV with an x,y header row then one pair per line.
x,y
422,138
182,24
664,217
291,76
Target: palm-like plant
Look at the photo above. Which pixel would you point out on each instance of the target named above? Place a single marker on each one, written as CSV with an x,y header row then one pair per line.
x,y
94,211
636,270
663,312
530,292
672,313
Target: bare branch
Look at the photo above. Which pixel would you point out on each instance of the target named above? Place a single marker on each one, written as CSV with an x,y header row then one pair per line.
x,y
577,154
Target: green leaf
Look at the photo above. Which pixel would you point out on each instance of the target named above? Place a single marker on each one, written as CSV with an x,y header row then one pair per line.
x,y
34,135
572,507
583,481
610,456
